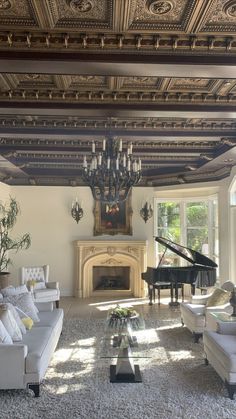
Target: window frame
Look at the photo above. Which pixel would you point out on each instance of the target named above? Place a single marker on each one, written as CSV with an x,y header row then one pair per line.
x,y
213,230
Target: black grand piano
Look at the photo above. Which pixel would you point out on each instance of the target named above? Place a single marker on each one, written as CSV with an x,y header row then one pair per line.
x,y
201,273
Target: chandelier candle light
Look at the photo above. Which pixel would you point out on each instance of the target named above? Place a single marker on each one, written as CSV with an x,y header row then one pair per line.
x,y
111,173
76,211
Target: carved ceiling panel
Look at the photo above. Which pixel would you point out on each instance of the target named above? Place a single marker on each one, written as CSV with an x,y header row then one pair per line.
x,y
20,13
220,17
194,84
168,15
93,14
88,82
29,81
144,82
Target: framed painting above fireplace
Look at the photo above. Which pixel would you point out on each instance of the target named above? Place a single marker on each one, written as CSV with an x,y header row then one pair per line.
x,y
113,219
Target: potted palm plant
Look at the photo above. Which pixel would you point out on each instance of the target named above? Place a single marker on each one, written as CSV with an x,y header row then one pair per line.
x,y
8,218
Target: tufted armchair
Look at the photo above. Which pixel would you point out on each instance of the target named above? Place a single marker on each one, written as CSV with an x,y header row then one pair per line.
x,y
36,279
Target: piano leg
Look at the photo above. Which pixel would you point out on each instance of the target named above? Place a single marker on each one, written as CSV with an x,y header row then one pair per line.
x,y
150,293
174,287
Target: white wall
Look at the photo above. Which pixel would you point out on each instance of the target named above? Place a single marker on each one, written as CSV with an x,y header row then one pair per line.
x,y
45,214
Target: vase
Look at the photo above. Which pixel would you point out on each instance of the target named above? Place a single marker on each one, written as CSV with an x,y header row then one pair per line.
x,y
4,279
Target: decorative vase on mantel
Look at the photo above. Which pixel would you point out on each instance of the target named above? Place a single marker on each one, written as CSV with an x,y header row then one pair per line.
x,y
4,279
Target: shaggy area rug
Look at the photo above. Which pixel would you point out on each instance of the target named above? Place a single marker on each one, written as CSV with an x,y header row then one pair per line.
x,y
176,383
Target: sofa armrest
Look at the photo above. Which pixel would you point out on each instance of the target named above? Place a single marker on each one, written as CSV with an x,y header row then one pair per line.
x,y
12,365
226,328
52,285
200,299
45,306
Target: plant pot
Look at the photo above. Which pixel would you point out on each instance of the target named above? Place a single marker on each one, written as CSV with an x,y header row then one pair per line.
x,y
4,279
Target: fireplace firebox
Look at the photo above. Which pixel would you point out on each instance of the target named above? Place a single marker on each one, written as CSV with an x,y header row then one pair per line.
x,y
107,278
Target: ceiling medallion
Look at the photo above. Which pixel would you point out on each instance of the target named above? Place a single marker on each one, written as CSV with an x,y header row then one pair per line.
x,y
230,8
81,5
5,4
158,7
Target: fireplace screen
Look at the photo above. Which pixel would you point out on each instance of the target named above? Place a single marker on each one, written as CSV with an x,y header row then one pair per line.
x,y
107,278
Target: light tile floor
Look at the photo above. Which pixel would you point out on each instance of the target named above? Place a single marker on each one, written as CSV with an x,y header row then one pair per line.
x,y
97,307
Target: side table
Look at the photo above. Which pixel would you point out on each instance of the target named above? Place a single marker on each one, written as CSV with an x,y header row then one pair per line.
x,y
215,317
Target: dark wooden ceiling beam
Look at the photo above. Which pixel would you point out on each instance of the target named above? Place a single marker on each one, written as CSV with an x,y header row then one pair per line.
x,y
151,133
209,66
126,109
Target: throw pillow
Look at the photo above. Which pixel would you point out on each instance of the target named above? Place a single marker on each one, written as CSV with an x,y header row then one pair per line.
x,y
28,322
4,335
218,298
14,290
16,316
9,323
37,285
25,303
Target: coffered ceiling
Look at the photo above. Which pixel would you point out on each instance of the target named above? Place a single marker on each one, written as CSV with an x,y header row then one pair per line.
x,y
159,74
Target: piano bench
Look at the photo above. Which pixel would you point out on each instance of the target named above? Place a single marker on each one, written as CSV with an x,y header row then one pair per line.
x,y
164,286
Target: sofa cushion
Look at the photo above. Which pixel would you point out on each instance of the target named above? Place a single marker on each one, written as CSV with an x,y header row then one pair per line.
x,y
25,304
45,292
49,318
218,298
4,335
38,340
16,316
223,347
14,290
9,323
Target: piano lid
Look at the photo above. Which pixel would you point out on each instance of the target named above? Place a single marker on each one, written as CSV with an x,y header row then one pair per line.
x,y
190,255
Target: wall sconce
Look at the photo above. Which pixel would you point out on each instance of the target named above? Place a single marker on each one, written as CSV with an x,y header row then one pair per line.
x,y
76,211
146,212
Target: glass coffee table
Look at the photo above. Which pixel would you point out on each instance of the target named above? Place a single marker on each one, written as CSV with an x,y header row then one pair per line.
x,y
125,342
222,316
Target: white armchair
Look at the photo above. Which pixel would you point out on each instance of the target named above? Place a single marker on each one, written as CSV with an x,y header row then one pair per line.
x,y
196,314
36,279
219,348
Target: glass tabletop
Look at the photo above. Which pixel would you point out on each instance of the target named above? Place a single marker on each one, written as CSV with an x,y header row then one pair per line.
x,y
124,338
224,317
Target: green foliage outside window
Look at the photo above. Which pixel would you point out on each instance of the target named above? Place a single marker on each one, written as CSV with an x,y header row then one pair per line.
x,y
169,226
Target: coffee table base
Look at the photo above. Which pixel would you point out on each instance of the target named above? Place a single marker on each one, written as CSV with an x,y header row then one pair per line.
x,y
125,378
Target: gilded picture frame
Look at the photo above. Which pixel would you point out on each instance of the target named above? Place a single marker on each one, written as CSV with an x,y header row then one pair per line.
x,y
113,219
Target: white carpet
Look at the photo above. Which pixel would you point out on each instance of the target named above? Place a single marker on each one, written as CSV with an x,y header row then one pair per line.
x,y
176,383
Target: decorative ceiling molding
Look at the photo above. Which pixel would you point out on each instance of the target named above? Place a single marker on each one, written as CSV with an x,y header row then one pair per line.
x,y
159,74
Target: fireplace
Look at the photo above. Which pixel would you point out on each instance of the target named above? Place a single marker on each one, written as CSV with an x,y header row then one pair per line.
x,y
110,268
111,278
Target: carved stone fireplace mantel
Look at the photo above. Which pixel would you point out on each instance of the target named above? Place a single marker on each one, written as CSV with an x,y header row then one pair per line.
x,y
90,253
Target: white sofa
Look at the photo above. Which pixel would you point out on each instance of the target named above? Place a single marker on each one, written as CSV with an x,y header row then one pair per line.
x,y
220,351
23,364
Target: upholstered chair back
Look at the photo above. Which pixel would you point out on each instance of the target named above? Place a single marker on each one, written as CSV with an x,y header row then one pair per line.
x,y
228,286
35,273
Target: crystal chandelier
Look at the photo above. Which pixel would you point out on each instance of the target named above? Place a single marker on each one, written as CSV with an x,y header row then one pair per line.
x,y
112,172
